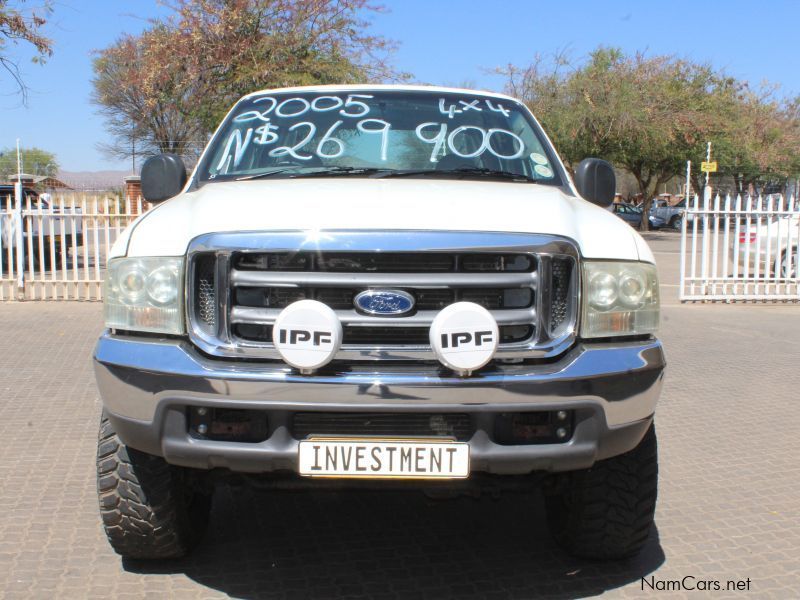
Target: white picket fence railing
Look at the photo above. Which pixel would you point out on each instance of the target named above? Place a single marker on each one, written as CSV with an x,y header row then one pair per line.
x,y
57,250
740,249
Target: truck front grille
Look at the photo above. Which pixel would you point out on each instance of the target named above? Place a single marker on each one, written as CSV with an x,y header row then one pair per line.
x,y
238,293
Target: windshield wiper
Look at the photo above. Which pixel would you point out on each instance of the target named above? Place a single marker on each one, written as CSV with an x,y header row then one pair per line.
x,y
479,171
325,171
484,172
381,172
301,171
265,174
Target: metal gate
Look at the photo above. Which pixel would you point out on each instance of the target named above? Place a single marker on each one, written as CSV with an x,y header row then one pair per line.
x,y
742,248
56,249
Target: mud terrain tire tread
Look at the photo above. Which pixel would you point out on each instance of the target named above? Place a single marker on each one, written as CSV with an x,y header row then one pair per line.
x,y
606,512
148,508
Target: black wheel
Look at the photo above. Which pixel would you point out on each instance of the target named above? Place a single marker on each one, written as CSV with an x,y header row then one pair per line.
x,y
150,509
676,222
606,512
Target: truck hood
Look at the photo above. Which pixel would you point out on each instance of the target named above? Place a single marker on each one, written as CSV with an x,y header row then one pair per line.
x,y
380,204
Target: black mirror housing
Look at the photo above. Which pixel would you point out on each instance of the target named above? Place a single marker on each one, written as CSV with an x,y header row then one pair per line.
x,y
163,176
596,181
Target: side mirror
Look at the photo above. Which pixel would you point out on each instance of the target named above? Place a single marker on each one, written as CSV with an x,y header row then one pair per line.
x,y
163,176
596,181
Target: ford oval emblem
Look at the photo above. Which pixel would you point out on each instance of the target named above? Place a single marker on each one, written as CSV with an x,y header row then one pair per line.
x,y
386,303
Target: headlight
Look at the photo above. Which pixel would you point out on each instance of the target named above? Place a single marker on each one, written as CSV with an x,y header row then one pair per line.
x,y
144,294
619,298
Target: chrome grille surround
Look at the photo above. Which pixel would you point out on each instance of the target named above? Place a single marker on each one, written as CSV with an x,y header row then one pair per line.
x,y
554,331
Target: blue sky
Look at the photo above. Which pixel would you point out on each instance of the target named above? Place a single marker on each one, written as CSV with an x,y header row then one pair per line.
x,y
440,42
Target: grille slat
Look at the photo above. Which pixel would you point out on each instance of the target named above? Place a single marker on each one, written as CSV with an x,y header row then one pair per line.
x,y
267,316
453,425
383,262
377,335
342,299
304,279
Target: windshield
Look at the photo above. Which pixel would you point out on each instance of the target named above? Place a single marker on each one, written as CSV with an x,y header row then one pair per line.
x,y
378,132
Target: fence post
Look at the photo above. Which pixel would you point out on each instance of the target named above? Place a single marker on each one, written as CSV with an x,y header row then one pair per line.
x,y
682,290
19,258
704,250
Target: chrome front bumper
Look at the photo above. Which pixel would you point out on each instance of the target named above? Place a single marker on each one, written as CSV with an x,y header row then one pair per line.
x,y
146,385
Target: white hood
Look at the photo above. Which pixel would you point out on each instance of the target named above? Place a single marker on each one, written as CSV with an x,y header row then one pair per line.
x,y
396,204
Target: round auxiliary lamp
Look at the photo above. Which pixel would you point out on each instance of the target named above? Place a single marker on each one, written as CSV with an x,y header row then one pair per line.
x,y
307,334
464,336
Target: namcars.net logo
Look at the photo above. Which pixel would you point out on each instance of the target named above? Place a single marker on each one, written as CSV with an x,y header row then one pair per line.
x,y
690,583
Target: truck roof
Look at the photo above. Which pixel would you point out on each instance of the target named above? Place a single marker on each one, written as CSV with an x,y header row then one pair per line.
x,y
365,87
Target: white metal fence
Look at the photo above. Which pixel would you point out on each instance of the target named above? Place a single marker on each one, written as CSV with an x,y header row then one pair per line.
x,y
742,248
57,250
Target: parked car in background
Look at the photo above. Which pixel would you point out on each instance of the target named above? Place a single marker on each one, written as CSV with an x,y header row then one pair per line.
x,y
56,227
632,215
672,215
772,244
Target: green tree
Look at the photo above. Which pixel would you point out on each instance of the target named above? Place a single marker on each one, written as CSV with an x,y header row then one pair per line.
x,y
145,116
18,25
35,161
649,115
169,87
763,142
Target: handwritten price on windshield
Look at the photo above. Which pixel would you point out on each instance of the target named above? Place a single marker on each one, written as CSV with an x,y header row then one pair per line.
x,y
434,133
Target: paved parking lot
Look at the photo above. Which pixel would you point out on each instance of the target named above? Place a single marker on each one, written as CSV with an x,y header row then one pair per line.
x,y
729,506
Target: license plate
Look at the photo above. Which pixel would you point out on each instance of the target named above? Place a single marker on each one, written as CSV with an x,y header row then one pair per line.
x,y
395,459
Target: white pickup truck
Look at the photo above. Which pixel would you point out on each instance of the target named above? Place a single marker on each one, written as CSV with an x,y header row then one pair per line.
x,y
393,286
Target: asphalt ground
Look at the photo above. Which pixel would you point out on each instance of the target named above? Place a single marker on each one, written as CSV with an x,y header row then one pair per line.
x,y
729,504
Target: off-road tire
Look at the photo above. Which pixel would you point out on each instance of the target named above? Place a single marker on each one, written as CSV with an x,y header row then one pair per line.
x,y
150,509
606,512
